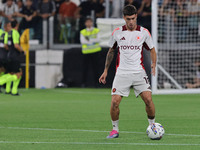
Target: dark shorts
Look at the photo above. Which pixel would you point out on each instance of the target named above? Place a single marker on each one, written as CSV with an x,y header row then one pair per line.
x,y
13,66
3,57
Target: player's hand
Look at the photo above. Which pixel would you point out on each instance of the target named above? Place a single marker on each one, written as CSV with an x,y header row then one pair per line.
x,y
153,69
102,79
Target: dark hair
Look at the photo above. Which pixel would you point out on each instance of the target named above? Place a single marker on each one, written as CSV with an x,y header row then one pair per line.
x,y
88,18
14,23
129,10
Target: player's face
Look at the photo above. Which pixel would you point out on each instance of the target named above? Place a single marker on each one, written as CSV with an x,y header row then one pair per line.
x,y
131,21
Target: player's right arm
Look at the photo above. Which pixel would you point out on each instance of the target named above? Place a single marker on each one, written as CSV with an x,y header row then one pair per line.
x,y
109,58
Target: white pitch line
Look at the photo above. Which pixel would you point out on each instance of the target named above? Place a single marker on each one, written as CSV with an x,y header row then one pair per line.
x,y
97,131
94,143
82,92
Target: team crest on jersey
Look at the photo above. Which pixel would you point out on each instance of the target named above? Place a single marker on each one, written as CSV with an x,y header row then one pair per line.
x,y
114,90
138,38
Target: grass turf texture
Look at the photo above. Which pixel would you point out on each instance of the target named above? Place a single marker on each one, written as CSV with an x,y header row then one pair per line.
x,y
60,119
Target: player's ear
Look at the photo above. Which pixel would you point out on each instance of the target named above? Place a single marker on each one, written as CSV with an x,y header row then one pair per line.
x,y
136,16
124,17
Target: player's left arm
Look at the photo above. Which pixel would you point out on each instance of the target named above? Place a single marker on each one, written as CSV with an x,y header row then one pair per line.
x,y
153,60
16,42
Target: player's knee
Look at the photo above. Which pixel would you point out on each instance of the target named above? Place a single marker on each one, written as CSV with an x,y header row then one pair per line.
x,y
148,101
115,103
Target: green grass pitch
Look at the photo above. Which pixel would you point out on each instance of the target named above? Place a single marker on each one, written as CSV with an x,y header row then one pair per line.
x,y
79,119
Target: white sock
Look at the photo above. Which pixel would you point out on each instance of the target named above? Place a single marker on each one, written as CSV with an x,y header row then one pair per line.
x,y
151,121
115,125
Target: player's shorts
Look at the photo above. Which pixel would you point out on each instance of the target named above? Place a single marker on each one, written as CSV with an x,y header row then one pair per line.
x,y
122,84
3,57
13,66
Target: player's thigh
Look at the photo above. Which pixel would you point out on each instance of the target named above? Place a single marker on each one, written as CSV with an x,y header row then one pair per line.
x,y
141,83
121,85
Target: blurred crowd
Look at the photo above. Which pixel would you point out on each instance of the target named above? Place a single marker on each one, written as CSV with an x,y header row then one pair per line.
x,y
180,18
69,15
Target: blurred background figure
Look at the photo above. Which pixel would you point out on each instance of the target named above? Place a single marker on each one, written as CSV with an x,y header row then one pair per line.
x,y
20,5
58,4
181,23
117,6
90,39
193,9
9,10
30,20
89,8
144,13
133,2
196,81
67,21
46,9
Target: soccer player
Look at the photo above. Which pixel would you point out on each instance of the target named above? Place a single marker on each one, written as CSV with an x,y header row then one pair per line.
x,y
4,48
1,63
13,67
130,39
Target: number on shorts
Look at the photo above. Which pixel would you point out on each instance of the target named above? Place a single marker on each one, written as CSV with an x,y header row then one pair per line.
x,y
146,79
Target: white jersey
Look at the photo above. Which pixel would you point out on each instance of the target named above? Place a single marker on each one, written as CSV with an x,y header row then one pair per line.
x,y
130,45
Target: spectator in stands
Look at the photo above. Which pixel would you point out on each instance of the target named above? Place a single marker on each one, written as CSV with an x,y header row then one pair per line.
x,y
133,2
85,10
144,13
117,6
58,4
196,81
46,9
20,5
181,24
193,20
9,10
167,17
67,20
90,39
99,8
30,19
35,3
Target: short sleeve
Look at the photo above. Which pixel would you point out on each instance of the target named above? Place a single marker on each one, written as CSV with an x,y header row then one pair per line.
x,y
148,41
15,37
112,41
6,38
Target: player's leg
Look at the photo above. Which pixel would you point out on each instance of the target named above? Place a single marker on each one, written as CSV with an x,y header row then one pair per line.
x,y
121,87
150,108
18,70
142,87
6,78
114,113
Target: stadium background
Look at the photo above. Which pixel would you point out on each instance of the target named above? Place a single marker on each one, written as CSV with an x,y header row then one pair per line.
x,y
78,118
178,51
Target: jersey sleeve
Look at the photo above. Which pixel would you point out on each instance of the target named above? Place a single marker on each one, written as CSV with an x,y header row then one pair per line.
x,y
6,38
15,37
148,41
112,42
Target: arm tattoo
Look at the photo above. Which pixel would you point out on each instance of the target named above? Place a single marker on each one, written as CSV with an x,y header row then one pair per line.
x,y
109,58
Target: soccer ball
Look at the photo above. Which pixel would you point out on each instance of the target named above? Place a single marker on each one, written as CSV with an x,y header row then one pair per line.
x,y
155,131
